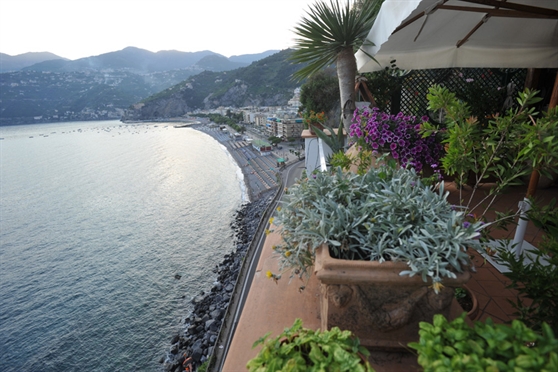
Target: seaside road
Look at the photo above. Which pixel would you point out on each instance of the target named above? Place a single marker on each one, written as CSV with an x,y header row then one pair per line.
x,y
247,287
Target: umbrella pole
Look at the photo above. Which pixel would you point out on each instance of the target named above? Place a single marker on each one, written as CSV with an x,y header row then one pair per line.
x,y
525,205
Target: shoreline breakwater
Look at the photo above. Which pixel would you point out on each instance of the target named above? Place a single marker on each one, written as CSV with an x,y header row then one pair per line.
x,y
194,344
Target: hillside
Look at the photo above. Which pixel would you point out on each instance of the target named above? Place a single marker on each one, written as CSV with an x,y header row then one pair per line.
x,y
266,82
135,60
99,87
14,63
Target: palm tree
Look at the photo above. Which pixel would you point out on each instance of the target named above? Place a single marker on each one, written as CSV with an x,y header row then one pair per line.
x,y
332,33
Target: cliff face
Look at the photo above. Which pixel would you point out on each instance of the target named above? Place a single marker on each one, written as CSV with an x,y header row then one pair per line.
x,y
266,82
164,108
176,105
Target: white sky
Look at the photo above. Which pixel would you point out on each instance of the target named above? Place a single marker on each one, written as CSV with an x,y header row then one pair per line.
x,y
81,28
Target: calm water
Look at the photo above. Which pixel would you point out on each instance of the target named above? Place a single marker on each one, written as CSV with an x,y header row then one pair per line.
x,y
96,218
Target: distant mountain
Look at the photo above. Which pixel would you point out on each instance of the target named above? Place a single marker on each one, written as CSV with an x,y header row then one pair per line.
x,y
267,82
249,58
136,60
142,61
99,87
218,62
13,63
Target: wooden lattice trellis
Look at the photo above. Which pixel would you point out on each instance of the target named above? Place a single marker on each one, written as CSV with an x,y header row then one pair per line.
x,y
485,90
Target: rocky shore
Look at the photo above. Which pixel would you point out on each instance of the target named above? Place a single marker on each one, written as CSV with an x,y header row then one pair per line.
x,y
195,344
191,347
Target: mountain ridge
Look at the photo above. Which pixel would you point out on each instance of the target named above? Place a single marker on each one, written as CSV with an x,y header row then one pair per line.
x,y
132,58
10,63
104,87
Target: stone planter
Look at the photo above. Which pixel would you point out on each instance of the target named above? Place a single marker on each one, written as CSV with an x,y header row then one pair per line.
x,y
382,308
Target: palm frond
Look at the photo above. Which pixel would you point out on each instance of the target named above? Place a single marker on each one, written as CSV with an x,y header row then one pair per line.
x,y
329,28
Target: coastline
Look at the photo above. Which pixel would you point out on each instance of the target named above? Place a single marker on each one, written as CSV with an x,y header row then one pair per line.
x,y
260,174
194,343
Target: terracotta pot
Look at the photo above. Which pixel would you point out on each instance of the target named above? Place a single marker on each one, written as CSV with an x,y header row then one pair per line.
x,y
382,308
474,312
311,126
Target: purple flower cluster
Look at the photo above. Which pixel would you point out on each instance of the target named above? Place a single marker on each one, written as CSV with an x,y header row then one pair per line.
x,y
397,135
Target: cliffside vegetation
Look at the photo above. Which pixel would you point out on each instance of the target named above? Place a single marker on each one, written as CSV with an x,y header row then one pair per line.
x,y
266,82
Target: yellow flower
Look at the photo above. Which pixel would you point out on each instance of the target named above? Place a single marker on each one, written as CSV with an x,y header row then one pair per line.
x,y
267,231
269,274
271,220
437,286
287,253
274,247
279,209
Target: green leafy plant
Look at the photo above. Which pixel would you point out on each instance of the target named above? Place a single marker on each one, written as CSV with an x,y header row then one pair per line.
x,y
320,92
535,280
502,149
302,349
460,292
386,214
456,346
335,140
464,298
312,120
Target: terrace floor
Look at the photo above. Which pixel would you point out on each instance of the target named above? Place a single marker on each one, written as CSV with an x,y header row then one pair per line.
x,y
272,305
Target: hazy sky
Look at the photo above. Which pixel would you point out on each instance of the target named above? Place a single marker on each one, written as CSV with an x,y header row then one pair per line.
x,y
81,28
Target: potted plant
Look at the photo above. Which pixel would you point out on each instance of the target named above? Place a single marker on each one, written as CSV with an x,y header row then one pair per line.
x,y
314,120
455,346
498,151
303,349
397,135
377,134
388,250
468,301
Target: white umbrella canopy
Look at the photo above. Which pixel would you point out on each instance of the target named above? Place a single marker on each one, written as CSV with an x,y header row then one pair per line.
x,y
425,34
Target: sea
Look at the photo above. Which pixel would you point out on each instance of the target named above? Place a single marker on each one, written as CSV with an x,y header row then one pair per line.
x,y
107,231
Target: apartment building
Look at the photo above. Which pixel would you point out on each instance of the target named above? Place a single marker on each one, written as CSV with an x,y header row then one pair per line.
x,y
289,128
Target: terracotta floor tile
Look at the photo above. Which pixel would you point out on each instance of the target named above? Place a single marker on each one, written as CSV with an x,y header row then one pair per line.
x,y
496,288
506,281
485,316
504,305
484,274
526,301
482,300
393,362
495,312
476,286
478,261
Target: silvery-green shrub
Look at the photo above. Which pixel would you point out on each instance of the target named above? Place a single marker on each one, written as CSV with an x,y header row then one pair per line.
x,y
386,214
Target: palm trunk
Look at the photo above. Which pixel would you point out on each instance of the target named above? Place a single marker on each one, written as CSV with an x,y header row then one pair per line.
x,y
346,73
